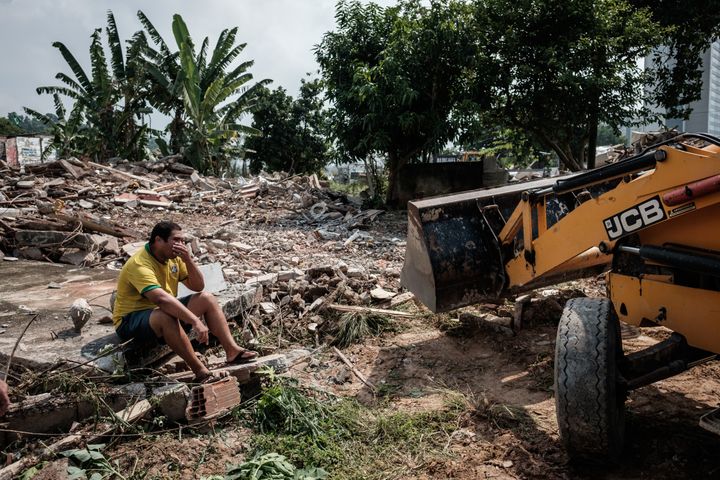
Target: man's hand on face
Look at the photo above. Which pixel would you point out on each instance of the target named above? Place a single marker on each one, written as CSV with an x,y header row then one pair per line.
x,y
181,251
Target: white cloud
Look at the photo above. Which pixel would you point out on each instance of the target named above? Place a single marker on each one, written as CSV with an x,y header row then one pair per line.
x,y
280,36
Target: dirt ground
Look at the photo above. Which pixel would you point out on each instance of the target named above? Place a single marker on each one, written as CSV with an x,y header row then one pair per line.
x,y
509,430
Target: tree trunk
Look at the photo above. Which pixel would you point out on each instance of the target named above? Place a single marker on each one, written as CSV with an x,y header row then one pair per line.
x,y
176,131
592,141
391,166
565,154
395,163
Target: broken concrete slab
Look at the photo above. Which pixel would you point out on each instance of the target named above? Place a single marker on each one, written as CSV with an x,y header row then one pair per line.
x,y
355,273
214,280
245,371
267,279
25,184
155,203
285,275
31,415
200,183
50,337
243,247
380,293
268,307
172,400
50,238
77,257
402,298
238,299
17,212
131,248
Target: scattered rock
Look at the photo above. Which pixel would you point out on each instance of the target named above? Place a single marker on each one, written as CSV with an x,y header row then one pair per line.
x,y
381,294
80,313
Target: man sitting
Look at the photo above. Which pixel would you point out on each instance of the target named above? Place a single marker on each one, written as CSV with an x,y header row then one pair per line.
x,y
147,311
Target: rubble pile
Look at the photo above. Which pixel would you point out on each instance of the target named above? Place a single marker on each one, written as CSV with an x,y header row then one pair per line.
x,y
282,239
86,206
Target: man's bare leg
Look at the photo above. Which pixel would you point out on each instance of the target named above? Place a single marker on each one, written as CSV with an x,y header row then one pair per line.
x,y
205,303
171,331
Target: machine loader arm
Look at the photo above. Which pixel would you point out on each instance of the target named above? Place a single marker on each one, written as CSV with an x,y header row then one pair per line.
x,y
466,248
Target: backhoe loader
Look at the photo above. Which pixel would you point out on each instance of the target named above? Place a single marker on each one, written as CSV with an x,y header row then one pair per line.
x,y
651,223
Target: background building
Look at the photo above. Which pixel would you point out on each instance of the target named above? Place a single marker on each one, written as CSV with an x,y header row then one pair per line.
x,y
705,116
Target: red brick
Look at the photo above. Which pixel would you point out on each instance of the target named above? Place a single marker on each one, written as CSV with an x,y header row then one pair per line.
x,y
213,399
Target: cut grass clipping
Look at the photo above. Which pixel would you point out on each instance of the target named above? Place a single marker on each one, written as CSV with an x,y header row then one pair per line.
x,y
353,327
344,438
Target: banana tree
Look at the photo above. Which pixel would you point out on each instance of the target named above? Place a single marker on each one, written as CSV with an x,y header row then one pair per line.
x,y
162,67
110,96
213,97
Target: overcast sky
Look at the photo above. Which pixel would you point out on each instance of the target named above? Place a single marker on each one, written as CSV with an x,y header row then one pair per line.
x,y
280,36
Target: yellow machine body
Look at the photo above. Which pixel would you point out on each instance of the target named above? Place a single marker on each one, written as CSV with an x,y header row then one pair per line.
x,y
692,312
674,202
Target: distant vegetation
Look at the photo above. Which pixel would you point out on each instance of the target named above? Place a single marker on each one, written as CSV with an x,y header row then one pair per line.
x,y
399,83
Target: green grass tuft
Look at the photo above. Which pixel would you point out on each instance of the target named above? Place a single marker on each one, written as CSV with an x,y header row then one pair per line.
x,y
353,327
345,438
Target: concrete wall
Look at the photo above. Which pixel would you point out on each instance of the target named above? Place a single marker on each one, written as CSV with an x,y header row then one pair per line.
x,y
28,150
431,179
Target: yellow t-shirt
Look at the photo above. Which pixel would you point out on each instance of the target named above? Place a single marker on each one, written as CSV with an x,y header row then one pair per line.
x,y
140,274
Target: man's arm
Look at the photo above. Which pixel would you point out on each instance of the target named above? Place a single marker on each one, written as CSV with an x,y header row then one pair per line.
x,y
173,307
195,280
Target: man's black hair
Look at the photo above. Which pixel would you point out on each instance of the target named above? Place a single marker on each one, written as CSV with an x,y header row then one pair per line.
x,y
163,230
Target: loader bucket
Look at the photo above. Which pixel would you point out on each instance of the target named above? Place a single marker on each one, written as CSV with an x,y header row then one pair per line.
x,y
453,257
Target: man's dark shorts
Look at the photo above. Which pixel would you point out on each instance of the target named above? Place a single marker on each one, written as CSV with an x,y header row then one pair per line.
x,y
136,325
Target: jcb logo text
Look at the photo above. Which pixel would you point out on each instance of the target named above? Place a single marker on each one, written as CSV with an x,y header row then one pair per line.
x,y
635,218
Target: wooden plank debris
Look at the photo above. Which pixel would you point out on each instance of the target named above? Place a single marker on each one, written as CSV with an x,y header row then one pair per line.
x,y
123,174
354,370
76,172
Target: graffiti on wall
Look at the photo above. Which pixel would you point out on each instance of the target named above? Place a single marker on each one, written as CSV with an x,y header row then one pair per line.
x,y
21,151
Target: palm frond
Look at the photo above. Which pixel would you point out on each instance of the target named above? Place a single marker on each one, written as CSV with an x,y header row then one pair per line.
x,y
76,116
70,82
61,90
157,75
101,76
245,129
38,116
240,69
191,87
201,58
224,62
214,94
222,46
154,34
115,44
74,66
59,107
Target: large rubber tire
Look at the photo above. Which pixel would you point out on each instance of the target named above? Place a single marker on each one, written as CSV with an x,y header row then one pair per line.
x,y
590,408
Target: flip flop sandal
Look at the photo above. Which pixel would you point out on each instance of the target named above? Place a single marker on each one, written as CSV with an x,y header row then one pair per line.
x,y
246,356
211,377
